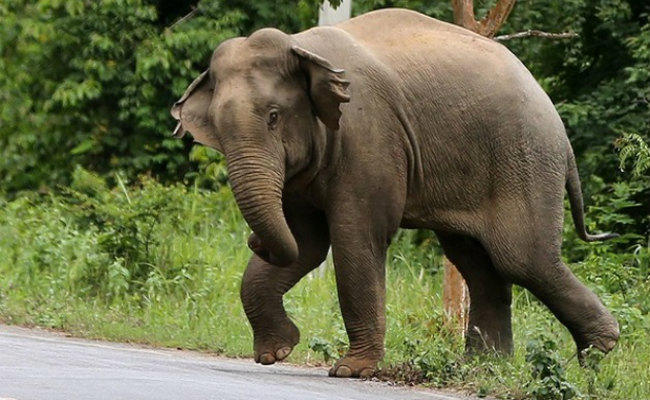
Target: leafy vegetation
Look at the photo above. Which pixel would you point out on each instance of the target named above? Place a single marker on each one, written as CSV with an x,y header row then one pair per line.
x,y
549,376
162,264
110,229
91,82
77,90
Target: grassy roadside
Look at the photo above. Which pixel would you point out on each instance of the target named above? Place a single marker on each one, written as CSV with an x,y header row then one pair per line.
x,y
162,265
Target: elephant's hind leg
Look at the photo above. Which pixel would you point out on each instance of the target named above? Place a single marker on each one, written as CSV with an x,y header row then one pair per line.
x,y
525,249
264,284
489,325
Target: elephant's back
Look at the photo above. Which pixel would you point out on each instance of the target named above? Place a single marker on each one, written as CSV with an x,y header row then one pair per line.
x,y
399,32
446,65
448,70
474,105
400,27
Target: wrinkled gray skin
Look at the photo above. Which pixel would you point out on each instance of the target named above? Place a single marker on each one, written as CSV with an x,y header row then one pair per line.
x,y
340,135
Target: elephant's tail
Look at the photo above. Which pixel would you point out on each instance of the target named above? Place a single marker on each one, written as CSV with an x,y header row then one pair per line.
x,y
575,199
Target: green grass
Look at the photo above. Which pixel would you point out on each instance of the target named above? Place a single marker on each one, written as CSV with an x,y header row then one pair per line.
x,y
162,265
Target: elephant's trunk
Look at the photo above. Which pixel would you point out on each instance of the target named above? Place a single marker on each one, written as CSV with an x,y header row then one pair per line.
x,y
257,180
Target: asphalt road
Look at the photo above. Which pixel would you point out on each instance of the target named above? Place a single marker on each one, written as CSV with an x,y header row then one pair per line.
x,y
38,365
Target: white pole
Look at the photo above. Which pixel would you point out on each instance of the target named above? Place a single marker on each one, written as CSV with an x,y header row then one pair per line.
x,y
329,15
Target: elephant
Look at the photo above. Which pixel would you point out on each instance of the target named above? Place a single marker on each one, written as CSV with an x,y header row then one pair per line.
x,y
338,136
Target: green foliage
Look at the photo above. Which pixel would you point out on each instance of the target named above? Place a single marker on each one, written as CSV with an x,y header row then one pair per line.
x,y
91,83
328,350
107,241
162,264
439,365
86,88
633,148
549,377
211,168
77,90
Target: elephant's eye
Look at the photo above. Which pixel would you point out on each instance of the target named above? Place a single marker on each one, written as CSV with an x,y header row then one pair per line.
x,y
273,119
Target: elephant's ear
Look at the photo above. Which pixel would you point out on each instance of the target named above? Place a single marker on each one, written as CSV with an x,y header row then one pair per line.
x,y
179,132
327,88
192,111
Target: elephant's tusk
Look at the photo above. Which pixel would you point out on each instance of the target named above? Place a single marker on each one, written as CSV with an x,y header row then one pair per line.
x,y
179,132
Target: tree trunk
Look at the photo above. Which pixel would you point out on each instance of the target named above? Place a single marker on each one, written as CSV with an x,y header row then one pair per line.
x,y
455,298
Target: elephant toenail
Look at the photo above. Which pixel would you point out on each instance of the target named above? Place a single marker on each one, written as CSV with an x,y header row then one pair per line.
x,y
366,372
282,353
266,359
343,372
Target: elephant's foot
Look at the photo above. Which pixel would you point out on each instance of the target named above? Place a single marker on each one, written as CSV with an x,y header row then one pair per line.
x,y
354,367
601,334
276,343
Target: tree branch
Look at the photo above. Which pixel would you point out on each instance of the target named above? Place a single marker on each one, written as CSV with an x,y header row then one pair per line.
x,y
187,16
495,18
490,24
536,33
464,14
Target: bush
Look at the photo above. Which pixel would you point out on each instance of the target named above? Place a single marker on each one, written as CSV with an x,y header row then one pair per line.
x,y
549,377
97,242
162,264
107,106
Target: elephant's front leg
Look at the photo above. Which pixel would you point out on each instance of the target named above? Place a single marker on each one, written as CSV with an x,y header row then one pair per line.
x,y
359,260
264,284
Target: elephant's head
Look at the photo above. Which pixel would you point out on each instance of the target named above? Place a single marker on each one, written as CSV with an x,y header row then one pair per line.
x,y
259,104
